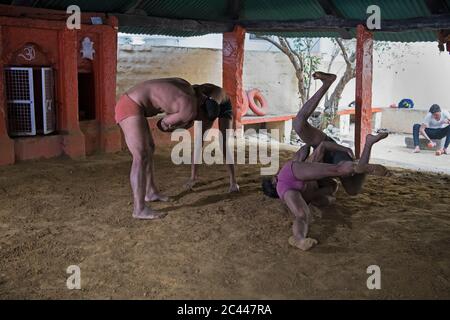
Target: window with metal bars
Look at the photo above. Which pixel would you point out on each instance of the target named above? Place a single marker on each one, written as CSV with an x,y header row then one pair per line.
x,y
30,101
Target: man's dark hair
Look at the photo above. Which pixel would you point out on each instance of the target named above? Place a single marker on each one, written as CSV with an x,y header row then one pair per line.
x,y
269,188
435,108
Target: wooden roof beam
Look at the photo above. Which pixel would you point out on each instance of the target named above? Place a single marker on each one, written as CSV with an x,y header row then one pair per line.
x,y
330,9
331,23
437,6
234,9
327,23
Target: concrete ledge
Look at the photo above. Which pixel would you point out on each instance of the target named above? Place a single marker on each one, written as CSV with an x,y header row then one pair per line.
x,y
423,143
266,118
282,123
401,120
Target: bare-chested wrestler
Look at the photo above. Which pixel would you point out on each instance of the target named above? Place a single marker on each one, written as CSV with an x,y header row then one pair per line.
x,y
182,105
297,183
218,95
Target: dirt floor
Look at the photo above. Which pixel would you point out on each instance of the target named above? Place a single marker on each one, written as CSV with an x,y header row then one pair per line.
x,y
56,213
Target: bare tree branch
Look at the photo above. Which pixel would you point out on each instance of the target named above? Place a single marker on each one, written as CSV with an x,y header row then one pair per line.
x,y
296,60
333,57
343,50
297,54
272,41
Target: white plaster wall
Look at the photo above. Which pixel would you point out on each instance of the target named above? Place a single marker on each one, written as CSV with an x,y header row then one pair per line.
x,y
417,71
269,71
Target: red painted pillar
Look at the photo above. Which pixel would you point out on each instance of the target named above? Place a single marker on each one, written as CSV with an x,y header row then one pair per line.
x,y
73,138
6,143
110,137
363,98
232,65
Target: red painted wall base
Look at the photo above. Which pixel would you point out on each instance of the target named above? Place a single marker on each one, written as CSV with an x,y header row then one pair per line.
x,y
6,151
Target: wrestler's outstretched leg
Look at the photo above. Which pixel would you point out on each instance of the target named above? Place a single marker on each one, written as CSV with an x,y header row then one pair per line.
x,y
353,184
302,127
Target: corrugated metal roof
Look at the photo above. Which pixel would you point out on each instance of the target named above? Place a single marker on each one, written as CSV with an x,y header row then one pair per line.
x,y
85,5
305,34
218,10
408,36
159,31
192,9
282,10
356,9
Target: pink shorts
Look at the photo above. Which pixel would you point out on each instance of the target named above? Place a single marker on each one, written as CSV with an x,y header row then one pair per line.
x,y
287,180
126,107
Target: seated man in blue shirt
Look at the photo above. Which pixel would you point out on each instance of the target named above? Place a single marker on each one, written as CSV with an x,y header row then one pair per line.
x,y
435,125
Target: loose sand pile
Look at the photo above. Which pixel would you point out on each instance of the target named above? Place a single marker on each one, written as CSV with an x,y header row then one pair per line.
x,y
56,213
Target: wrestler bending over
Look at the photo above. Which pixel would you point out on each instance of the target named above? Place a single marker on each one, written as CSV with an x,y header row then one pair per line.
x,y
225,116
182,105
297,183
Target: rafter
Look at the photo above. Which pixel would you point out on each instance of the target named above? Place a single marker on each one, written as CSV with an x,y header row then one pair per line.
x,y
330,9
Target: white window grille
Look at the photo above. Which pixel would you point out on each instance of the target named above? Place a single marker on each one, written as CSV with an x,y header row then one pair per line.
x,y
21,104
19,99
48,109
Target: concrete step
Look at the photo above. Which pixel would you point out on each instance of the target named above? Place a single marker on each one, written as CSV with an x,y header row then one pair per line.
x,y
423,143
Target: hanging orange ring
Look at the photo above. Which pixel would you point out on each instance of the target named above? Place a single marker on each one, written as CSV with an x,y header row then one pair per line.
x,y
256,95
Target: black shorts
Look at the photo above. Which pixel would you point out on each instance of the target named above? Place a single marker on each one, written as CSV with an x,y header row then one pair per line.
x,y
226,110
334,157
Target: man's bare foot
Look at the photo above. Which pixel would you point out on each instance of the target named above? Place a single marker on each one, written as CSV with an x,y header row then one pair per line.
x,y
156,196
371,139
416,149
303,244
148,214
372,169
234,187
189,185
441,152
324,77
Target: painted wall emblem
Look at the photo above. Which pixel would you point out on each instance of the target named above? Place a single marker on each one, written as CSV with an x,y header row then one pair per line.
x,y
28,53
87,51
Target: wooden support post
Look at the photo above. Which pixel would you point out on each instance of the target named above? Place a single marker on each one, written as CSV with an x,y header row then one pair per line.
x,y
363,98
232,65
